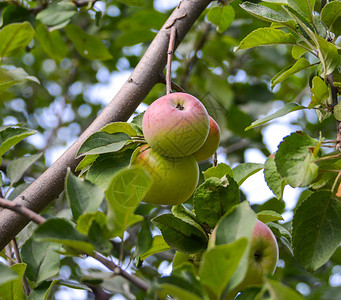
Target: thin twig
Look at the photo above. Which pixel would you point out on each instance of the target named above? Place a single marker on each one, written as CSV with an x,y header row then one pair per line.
x,y
215,159
334,91
18,259
9,255
30,214
169,60
118,271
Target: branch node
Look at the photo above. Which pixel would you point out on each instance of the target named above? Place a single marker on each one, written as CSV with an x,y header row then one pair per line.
x,y
176,19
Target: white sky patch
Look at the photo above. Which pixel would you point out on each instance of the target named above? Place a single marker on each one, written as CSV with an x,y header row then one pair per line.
x,y
104,92
164,5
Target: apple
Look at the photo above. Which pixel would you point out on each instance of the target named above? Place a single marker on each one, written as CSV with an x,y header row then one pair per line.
x,y
263,257
176,125
174,179
211,144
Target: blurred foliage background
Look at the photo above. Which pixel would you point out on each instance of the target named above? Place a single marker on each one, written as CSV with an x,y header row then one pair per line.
x,y
78,78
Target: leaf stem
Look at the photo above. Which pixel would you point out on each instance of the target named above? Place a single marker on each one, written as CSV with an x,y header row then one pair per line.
x,y
335,182
18,260
169,59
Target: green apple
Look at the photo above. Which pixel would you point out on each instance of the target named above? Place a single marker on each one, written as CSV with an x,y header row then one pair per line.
x,y
263,257
211,144
176,125
174,179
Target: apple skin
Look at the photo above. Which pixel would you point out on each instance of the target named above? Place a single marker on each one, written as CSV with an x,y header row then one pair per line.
x,y
211,144
174,179
176,125
263,257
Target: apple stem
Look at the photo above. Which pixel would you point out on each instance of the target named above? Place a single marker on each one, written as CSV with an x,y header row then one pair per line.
x,y
169,59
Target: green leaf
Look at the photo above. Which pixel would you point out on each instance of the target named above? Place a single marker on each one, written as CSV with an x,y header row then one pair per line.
x,y
6,274
87,161
234,225
287,108
181,212
213,198
83,195
181,235
102,142
42,291
330,13
10,136
144,238
13,76
328,55
274,204
316,229
105,167
319,90
52,42
182,284
16,168
297,51
218,171
219,264
267,14
337,111
158,245
129,186
299,65
133,37
304,7
137,3
245,170
221,16
295,159
266,36
57,14
267,216
13,289
142,19
62,231
126,190
284,235
98,239
279,291
84,222
14,38
273,179
41,258
124,127
87,45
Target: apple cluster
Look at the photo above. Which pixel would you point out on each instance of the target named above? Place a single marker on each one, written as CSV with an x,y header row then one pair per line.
x,y
179,134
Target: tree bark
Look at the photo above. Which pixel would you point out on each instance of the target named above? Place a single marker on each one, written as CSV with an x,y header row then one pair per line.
x,y
146,74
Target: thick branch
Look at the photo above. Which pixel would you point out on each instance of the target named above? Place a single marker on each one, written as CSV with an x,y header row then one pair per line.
x,y
146,74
